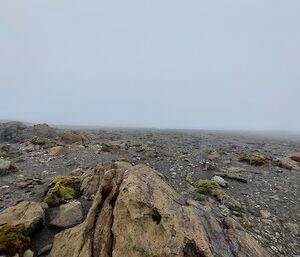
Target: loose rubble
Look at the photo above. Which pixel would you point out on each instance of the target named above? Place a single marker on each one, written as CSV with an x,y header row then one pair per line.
x,y
136,187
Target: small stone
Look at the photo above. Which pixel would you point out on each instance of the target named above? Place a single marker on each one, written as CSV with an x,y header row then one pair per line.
x,y
222,182
45,249
293,228
265,214
273,248
28,253
77,172
213,156
189,178
22,184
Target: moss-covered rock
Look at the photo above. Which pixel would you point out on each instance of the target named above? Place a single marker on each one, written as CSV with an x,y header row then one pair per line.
x,y
206,186
13,240
62,190
256,159
44,142
149,151
8,155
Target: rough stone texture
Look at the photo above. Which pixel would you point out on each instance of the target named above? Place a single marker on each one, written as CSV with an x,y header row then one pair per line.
x,y
11,131
295,156
27,146
289,164
31,214
66,215
57,151
28,253
137,213
72,137
90,179
222,182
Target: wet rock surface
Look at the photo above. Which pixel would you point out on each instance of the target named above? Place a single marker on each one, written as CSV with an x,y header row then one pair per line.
x,y
260,201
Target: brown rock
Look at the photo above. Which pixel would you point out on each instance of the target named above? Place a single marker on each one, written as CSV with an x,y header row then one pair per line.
x,y
90,179
27,146
31,214
265,214
295,156
289,164
57,151
72,137
136,213
213,156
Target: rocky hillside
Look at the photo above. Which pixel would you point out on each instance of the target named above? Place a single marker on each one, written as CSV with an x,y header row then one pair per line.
x,y
146,193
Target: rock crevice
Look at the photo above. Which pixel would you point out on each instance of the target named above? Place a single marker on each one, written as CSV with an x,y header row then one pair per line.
x,y
136,213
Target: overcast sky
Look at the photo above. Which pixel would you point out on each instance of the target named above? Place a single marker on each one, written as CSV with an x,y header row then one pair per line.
x,y
159,63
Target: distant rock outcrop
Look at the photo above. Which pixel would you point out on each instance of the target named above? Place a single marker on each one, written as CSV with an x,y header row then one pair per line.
x,y
135,212
13,132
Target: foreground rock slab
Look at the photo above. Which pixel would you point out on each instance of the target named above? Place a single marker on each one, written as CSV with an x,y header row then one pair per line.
x,y
31,214
136,213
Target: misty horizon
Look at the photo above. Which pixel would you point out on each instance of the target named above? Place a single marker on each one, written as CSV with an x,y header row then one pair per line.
x,y
198,65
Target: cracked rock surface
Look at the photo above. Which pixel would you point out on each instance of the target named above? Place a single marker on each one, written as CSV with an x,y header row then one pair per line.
x,y
136,213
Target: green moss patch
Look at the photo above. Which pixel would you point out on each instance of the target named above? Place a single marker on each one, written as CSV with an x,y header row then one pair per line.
x,y
206,186
150,152
13,240
62,190
8,155
255,159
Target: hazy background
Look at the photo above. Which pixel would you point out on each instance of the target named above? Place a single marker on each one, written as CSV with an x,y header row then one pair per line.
x,y
167,63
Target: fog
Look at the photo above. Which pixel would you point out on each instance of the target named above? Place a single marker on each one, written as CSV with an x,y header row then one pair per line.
x,y
164,64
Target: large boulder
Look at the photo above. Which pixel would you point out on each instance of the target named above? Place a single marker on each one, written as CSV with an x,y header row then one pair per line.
x,y
137,213
72,137
31,214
